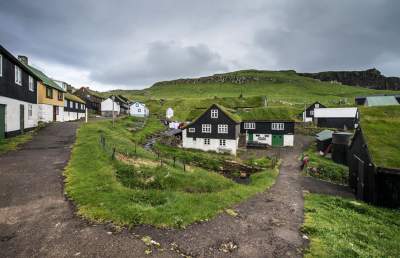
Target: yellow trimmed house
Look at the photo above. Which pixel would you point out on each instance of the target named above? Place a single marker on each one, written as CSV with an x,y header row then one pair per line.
x,y
50,98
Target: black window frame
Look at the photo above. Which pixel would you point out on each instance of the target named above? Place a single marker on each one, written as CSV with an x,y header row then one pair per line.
x,y
49,96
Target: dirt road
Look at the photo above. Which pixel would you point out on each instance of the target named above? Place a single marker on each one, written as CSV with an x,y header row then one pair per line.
x,y
36,219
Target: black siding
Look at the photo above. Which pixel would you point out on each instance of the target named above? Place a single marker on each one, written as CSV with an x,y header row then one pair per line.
x,y
8,87
73,109
233,127
336,122
92,102
311,108
264,127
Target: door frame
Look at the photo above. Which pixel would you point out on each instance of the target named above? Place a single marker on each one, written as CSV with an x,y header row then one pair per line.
x,y
22,118
3,121
55,113
280,140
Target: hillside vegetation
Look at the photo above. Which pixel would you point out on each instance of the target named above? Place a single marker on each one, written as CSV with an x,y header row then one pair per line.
x,y
246,88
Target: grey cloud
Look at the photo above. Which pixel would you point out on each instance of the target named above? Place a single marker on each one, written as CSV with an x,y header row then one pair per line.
x,y
163,60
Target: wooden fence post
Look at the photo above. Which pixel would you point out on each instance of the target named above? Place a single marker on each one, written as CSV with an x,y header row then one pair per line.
x,y
184,166
113,153
174,160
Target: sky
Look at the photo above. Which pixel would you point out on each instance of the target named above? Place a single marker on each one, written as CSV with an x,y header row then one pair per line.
x,y
131,44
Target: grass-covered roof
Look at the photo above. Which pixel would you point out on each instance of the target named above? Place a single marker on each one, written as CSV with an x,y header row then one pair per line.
x,y
229,113
73,98
269,113
46,80
381,129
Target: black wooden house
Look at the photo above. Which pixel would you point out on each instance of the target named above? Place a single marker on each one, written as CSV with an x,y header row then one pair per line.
x,y
18,96
308,113
217,129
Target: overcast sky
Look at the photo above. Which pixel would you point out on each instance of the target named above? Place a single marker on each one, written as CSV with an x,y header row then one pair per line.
x,y
131,44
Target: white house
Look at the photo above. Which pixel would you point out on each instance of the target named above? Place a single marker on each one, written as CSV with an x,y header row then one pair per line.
x,y
107,107
138,109
169,113
18,96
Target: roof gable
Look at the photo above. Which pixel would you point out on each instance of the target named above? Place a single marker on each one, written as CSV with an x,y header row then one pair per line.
x,y
233,117
46,80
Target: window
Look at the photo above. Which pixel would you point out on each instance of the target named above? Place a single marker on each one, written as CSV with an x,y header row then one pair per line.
x,y
316,105
206,128
57,111
49,93
192,130
18,75
30,111
278,126
60,95
31,86
206,141
214,113
137,104
1,65
222,142
312,112
249,125
139,110
65,103
71,104
76,105
222,128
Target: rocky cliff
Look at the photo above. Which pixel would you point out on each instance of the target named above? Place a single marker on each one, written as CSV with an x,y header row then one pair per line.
x,y
371,78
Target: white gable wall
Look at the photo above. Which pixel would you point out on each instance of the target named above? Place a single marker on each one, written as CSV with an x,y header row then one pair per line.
x,y
107,105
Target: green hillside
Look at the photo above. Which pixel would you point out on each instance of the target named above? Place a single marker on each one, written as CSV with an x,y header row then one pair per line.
x,y
245,88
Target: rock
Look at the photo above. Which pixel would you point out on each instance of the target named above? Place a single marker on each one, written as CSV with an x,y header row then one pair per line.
x,y
305,237
231,212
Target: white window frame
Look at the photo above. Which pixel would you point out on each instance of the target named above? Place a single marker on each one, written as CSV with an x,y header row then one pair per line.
x,y
249,126
206,128
31,84
71,104
207,141
222,142
223,128
278,126
214,113
192,130
1,66
316,105
30,111
312,112
18,75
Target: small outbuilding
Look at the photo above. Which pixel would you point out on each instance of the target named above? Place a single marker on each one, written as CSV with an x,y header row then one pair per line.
x,y
340,147
374,157
324,141
341,118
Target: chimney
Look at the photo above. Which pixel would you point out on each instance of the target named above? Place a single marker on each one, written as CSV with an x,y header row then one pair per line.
x,y
23,59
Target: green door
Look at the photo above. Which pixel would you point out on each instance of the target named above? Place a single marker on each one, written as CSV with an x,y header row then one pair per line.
x,y
277,140
250,137
2,121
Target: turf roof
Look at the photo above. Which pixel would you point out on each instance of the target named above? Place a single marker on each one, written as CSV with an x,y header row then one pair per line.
x,y
381,130
73,98
46,80
269,113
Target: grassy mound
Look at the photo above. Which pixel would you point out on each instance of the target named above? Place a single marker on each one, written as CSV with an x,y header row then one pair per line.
x,y
340,227
163,196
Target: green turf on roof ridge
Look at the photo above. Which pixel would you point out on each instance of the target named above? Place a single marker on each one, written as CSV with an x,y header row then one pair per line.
x,y
46,80
73,98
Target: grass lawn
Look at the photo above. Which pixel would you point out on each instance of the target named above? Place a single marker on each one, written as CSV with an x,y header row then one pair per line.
x,y
145,192
339,227
324,168
13,143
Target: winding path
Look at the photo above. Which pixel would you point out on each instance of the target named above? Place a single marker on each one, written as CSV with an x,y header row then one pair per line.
x,y
36,219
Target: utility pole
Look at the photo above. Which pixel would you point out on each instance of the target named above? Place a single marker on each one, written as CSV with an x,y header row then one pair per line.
x,y
113,114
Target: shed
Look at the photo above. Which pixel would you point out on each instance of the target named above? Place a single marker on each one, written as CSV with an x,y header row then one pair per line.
x,y
324,139
373,101
341,118
374,158
340,146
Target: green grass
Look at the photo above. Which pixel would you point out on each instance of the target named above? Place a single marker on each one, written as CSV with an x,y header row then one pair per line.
x,y
326,169
271,113
13,143
106,190
339,227
380,126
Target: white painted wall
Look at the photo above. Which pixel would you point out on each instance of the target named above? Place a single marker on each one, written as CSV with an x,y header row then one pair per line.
x,y
169,113
107,105
288,140
261,138
307,118
138,109
72,116
45,113
190,143
13,114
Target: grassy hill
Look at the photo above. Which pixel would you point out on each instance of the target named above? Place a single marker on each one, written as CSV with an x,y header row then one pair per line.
x,y
245,88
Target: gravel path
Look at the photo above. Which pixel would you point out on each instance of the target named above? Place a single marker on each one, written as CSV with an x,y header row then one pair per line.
x,y
36,220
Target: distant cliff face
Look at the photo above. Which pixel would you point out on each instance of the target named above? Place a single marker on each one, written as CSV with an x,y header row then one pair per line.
x,y
371,78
